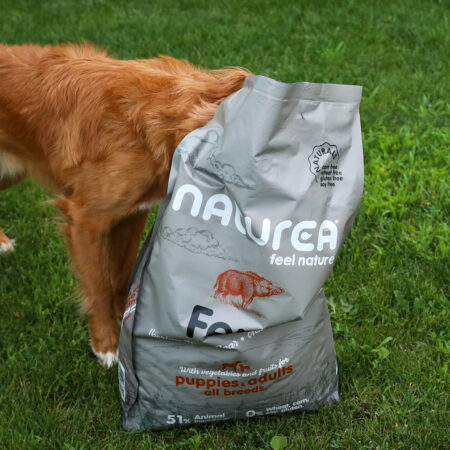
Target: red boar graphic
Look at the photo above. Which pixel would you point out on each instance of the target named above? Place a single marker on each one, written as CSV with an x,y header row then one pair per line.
x,y
247,285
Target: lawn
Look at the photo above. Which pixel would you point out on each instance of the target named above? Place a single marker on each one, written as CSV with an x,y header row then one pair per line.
x,y
388,294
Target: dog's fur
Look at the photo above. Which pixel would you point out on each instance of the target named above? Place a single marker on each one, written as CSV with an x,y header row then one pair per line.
x,y
101,132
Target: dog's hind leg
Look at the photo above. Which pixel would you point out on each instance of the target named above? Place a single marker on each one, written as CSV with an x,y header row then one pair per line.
x,y
86,237
123,244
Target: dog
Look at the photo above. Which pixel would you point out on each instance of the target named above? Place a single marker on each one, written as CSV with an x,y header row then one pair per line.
x,y
100,133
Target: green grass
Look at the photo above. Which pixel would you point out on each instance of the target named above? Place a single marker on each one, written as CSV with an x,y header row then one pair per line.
x,y
388,292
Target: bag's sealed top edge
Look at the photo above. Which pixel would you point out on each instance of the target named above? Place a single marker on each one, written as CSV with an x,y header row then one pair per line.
x,y
302,90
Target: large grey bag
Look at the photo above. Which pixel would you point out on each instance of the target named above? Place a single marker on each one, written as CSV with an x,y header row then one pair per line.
x,y
226,316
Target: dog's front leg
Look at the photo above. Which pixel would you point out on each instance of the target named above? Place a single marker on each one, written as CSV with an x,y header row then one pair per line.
x,y
86,237
6,244
123,244
6,182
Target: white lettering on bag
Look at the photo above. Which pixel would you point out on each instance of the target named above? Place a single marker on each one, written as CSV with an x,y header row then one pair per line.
x,y
211,210
198,198
298,235
220,205
327,238
265,232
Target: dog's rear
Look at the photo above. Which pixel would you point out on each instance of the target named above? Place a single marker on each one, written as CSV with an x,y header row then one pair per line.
x,y
101,132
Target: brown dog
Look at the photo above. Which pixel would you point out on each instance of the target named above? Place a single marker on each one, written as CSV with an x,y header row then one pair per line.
x,y
101,133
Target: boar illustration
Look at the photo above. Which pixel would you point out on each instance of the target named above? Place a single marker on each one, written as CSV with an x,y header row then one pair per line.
x,y
246,285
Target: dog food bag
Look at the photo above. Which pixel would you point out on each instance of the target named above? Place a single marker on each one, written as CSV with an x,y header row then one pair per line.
x,y
226,317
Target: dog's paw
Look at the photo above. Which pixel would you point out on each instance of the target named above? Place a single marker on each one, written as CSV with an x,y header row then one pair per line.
x,y
7,246
107,359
